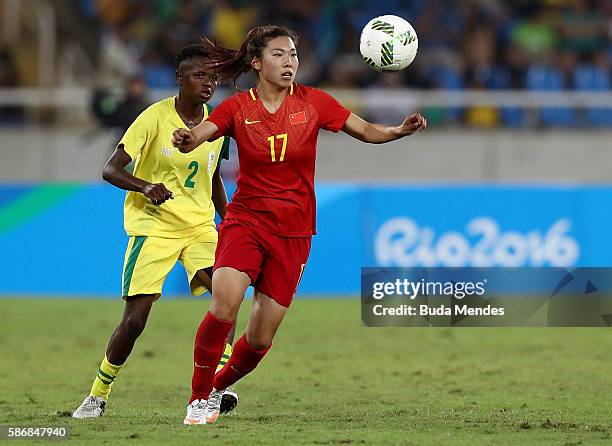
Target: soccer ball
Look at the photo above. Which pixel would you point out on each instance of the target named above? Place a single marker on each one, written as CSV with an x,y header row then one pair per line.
x,y
388,43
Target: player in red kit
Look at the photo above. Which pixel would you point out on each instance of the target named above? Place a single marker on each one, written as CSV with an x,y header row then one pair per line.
x,y
265,237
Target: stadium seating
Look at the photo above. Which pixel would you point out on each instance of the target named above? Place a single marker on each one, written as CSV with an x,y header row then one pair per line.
x,y
588,77
548,78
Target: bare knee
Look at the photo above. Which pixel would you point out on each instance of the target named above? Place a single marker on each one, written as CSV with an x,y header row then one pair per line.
x,y
225,304
228,287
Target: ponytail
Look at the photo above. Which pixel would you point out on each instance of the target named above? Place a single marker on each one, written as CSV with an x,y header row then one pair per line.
x,y
231,64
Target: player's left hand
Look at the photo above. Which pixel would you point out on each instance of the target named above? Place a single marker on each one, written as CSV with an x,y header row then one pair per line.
x,y
412,124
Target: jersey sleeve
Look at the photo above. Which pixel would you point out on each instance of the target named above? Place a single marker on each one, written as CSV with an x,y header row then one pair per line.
x,y
139,134
225,149
222,116
332,114
224,153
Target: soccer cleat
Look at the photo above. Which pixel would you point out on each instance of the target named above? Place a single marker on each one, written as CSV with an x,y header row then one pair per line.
x,y
196,413
91,407
213,407
229,400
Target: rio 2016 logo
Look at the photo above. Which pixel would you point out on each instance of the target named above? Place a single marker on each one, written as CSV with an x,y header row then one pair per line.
x,y
401,241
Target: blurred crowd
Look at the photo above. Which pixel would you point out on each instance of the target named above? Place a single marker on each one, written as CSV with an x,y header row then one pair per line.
x,y
486,44
468,44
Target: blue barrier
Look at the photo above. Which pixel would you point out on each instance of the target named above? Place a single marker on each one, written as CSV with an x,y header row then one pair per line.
x,y
70,240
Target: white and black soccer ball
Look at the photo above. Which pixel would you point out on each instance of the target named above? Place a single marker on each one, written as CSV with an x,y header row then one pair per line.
x,y
388,43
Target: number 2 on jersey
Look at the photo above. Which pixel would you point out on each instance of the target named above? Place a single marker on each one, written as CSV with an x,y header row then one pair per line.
x,y
189,181
271,140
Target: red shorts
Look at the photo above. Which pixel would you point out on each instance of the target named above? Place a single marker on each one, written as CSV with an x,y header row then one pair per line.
x,y
274,264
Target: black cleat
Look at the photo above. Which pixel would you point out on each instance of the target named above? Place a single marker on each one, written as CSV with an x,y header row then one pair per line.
x,y
229,400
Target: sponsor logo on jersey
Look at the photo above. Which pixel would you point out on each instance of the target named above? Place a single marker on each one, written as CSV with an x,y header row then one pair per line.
x,y
166,151
248,122
211,161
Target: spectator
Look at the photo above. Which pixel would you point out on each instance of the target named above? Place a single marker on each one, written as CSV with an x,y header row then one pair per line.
x,y
582,29
136,100
535,36
231,19
474,44
120,56
9,77
116,110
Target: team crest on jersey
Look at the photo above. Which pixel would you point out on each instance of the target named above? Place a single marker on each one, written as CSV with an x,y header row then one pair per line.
x,y
166,151
297,118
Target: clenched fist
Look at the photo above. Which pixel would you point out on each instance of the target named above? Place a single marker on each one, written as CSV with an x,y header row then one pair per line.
x,y
184,140
157,193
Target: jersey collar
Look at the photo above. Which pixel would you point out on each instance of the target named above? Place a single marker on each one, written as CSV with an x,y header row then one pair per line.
x,y
253,92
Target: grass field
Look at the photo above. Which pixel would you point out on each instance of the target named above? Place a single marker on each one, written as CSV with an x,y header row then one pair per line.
x,y
327,380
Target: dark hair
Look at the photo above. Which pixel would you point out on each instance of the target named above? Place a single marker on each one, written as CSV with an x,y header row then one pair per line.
x,y
193,50
230,64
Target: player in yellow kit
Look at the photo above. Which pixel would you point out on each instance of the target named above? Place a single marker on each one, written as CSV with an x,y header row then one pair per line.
x,y
169,212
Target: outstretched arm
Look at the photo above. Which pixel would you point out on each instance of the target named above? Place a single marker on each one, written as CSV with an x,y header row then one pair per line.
x,y
377,134
187,140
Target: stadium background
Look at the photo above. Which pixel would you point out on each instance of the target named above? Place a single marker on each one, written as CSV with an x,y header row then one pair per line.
x,y
514,170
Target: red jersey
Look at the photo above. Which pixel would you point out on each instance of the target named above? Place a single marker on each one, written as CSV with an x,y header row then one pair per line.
x,y
277,153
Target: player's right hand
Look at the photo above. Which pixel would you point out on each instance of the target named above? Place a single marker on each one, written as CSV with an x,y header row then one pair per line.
x,y
184,140
413,123
157,193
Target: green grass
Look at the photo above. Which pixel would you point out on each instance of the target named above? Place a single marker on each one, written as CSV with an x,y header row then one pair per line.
x,y
327,380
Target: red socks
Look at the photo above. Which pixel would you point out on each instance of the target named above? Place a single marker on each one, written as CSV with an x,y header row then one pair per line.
x,y
243,361
209,343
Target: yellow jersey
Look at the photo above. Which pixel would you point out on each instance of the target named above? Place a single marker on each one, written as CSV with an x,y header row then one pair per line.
x,y
188,176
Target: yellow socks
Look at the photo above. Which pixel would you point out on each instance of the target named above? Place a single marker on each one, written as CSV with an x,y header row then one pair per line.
x,y
104,380
108,372
225,357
